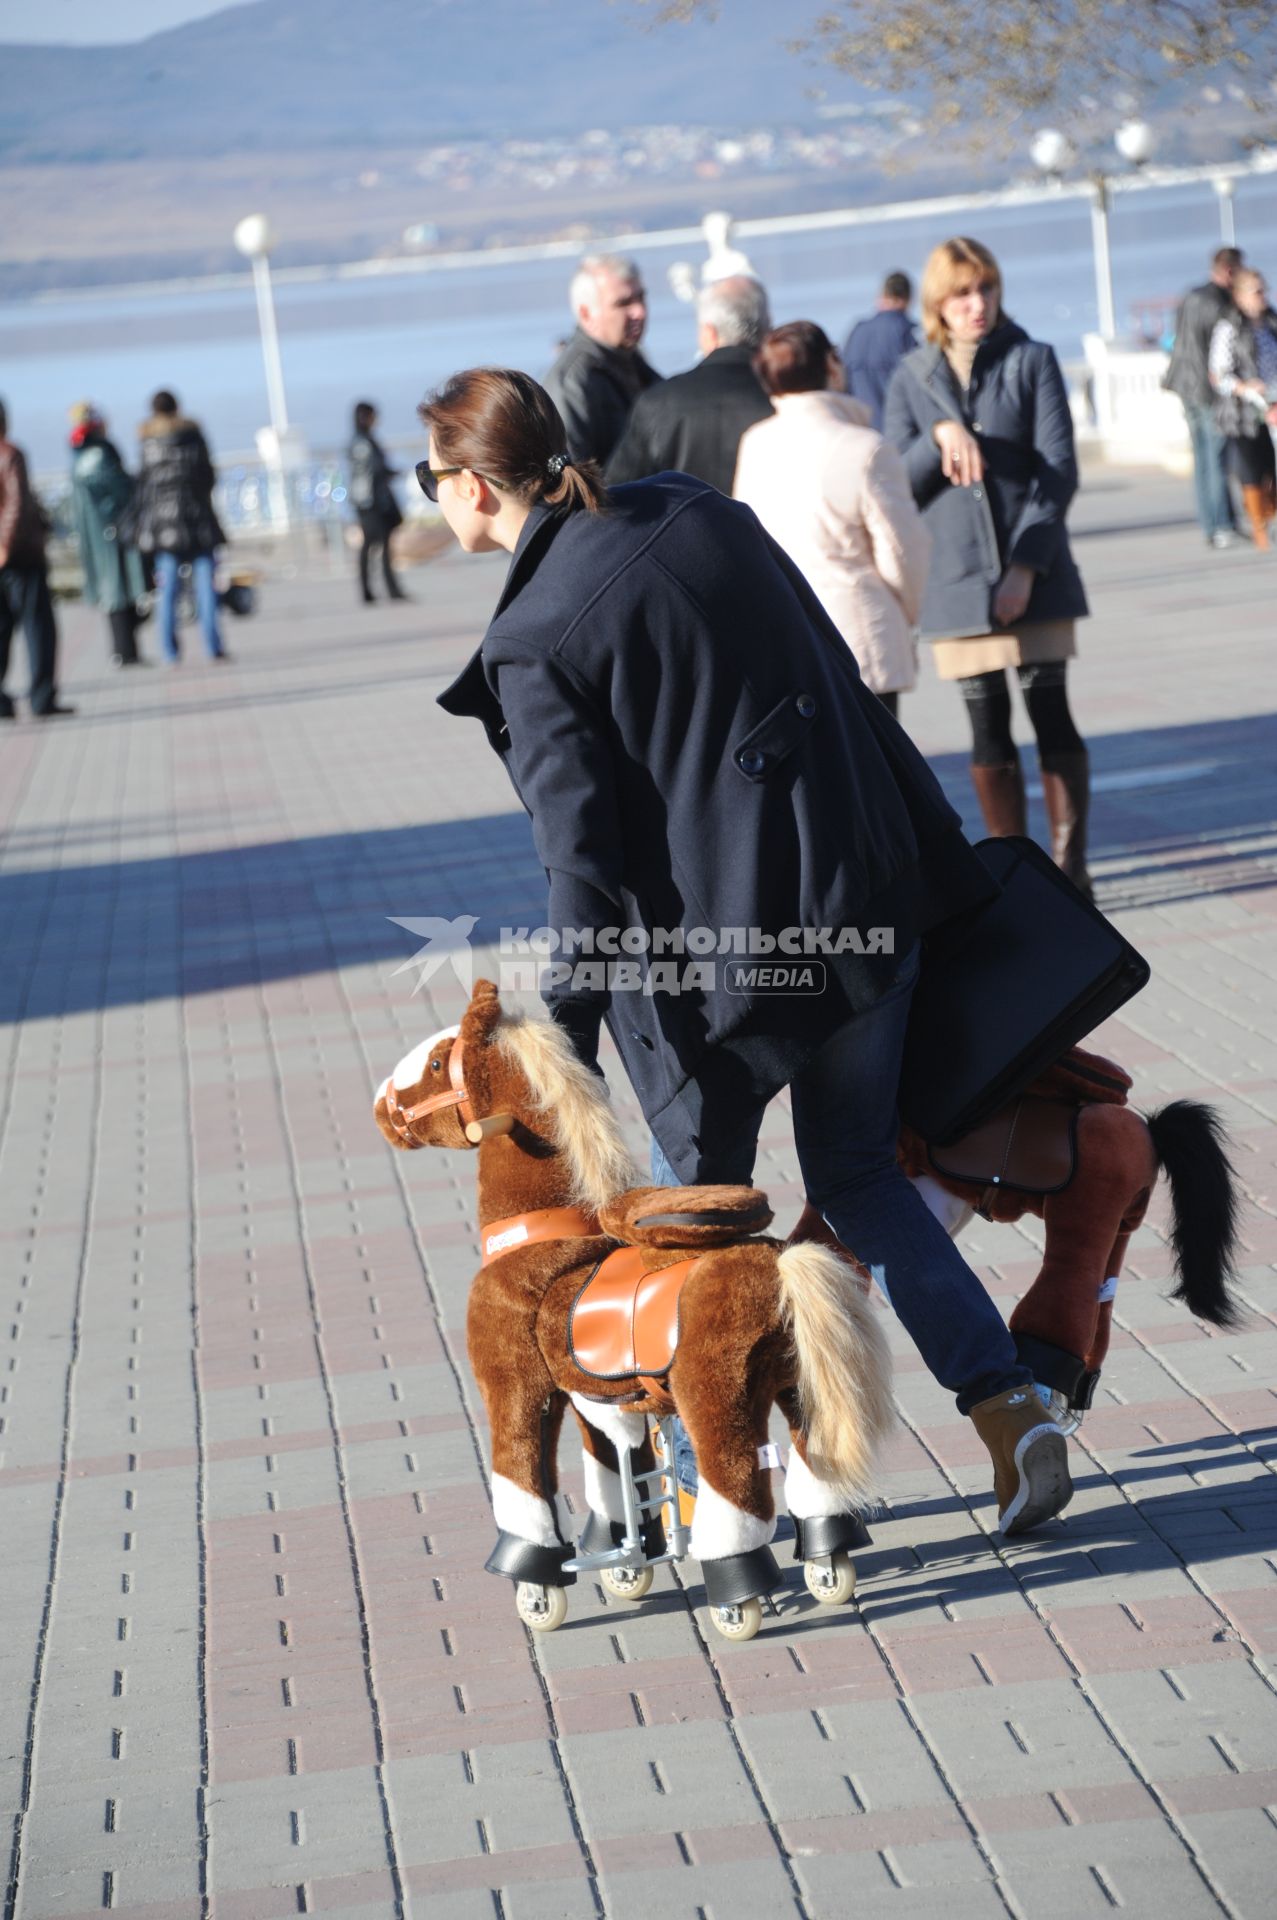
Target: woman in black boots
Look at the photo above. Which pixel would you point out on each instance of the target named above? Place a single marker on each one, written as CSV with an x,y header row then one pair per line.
x,y
982,418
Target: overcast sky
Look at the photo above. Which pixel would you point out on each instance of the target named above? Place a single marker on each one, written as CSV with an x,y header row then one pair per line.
x,y
89,23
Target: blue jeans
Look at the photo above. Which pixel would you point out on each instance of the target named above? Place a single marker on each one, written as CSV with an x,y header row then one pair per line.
x,y
201,564
845,1129
1214,502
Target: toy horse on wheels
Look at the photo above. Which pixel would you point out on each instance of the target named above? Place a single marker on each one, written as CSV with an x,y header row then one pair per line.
x,y
626,1302
1072,1151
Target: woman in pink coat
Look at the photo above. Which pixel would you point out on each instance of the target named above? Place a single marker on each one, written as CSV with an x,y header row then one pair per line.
x,y
834,494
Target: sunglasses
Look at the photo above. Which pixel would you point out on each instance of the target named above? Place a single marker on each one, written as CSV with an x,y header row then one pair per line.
x,y
428,478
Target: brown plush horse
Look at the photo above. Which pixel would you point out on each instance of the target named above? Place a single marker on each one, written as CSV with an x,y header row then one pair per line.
x,y
1073,1152
745,1325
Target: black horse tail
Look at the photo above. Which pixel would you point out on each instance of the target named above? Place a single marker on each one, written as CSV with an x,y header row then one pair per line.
x,y
1189,1141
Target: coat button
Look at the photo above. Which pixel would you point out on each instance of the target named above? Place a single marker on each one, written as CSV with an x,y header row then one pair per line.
x,y
977,493
751,760
805,705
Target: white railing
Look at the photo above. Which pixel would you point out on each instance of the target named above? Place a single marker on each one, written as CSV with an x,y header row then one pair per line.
x,y
1135,421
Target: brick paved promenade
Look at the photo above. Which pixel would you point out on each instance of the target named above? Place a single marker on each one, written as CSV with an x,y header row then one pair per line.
x,y
251,1665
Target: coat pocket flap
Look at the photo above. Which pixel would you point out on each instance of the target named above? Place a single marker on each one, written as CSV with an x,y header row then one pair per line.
x,y
776,735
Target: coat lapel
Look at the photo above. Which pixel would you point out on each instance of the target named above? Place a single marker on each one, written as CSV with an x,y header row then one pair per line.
x,y
471,696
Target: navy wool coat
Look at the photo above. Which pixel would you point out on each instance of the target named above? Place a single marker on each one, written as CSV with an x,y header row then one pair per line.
x,y
695,747
1018,410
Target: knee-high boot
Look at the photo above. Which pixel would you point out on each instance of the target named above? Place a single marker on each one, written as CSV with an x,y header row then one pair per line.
x,y
1066,788
123,625
1000,791
1258,512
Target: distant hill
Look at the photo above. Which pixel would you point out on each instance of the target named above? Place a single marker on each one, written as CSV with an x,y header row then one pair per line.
x,y
290,74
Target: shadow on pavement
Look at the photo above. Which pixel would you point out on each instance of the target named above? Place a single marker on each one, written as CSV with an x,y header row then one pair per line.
x,y
1179,813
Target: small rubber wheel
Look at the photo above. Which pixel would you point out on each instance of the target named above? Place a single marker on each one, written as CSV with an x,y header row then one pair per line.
x,y
831,1580
627,1583
541,1608
738,1623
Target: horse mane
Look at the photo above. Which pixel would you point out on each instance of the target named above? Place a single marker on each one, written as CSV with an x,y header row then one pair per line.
x,y
575,1103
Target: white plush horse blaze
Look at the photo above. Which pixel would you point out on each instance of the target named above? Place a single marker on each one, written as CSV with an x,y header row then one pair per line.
x,y
720,1529
413,1065
528,1516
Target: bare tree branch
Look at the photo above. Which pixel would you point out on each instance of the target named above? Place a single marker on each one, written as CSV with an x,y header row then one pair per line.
x,y
984,66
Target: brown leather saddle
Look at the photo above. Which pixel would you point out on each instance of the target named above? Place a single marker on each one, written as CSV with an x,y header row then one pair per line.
x,y
1029,1146
624,1321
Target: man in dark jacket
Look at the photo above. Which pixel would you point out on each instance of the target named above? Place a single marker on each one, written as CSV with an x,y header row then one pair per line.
x,y
707,775
693,422
173,518
600,372
876,346
24,585
1188,375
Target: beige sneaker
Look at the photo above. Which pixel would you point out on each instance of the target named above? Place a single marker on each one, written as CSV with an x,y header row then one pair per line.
x,y
1030,1458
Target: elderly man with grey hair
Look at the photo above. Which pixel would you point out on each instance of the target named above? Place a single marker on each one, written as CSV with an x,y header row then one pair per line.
x,y
693,423
600,372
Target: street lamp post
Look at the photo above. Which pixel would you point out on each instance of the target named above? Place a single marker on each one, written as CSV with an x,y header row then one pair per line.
x,y
255,237
1223,185
1051,152
282,448
1100,204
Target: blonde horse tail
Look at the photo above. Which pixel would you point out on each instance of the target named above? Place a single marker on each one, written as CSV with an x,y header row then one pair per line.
x,y
844,1369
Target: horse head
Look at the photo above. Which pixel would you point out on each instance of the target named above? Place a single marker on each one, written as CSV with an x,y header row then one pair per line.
x,y
507,1073
456,1088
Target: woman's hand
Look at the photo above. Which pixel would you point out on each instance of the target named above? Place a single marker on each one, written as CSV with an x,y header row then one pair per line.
x,y
1012,596
960,458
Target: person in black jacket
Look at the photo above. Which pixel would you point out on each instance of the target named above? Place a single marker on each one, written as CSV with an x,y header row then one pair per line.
x,y
707,774
876,346
1188,376
172,518
373,498
693,422
600,372
982,418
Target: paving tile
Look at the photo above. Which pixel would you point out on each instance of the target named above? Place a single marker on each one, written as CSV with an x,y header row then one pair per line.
x,y
275,1542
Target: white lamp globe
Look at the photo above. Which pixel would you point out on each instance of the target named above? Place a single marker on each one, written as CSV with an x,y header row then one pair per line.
x,y
1051,150
1135,140
255,236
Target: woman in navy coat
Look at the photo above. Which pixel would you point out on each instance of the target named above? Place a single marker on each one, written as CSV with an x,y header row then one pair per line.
x,y
982,418
704,769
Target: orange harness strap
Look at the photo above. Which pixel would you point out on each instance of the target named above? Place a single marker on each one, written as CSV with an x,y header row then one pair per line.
x,y
546,1223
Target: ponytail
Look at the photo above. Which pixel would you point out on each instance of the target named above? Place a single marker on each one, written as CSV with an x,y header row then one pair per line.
x,y
501,424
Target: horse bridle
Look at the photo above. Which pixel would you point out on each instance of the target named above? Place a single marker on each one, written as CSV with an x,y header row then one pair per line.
x,y
499,1236
401,1117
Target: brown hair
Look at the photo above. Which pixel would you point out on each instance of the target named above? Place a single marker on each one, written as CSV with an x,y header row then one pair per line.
x,y
502,425
794,358
951,268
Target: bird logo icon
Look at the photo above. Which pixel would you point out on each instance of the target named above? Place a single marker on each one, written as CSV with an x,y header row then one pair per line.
x,y
446,941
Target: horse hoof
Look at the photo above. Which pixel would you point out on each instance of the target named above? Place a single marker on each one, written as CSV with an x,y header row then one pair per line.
x,y
627,1583
541,1608
739,1622
831,1579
